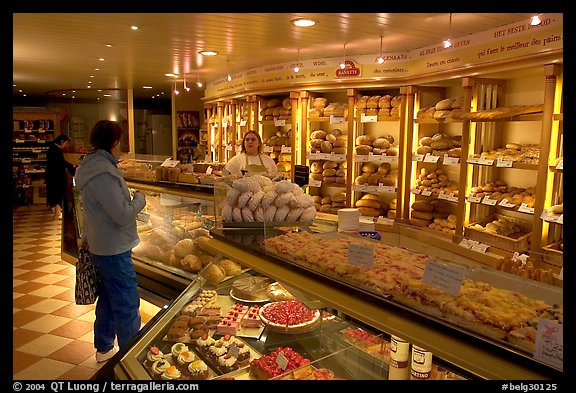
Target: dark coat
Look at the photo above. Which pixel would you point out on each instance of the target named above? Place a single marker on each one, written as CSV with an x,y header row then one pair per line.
x,y
55,176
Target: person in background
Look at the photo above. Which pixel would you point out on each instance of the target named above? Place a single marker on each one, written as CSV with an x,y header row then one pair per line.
x,y
57,169
110,234
251,160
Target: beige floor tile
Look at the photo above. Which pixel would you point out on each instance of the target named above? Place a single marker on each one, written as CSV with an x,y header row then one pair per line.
x,y
49,278
16,282
16,295
46,323
49,268
22,242
88,337
45,345
19,262
51,258
46,369
92,363
90,316
47,306
49,291
16,271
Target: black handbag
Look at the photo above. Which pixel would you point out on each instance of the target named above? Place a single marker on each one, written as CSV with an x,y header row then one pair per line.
x,y
87,280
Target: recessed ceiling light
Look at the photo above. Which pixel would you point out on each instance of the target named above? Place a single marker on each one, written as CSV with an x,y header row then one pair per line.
x,y
101,59
109,45
303,22
208,53
134,27
107,95
146,87
96,69
171,74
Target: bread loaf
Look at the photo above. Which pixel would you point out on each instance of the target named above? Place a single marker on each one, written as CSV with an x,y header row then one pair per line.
x,y
445,104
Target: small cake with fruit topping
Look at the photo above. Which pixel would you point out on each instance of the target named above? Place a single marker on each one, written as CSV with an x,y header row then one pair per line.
x,y
211,309
171,373
227,340
184,359
251,319
266,366
216,350
198,370
227,363
153,355
158,368
241,351
177,349
205,342
228,326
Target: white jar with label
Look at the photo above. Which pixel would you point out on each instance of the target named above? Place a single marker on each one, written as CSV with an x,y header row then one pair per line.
x,y
421,368
399,359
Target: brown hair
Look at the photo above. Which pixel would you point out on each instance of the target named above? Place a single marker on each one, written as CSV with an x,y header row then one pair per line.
x,y
257,137
105,134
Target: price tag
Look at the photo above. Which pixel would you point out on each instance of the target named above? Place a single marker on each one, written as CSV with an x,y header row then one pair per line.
x,y
362,158
502,163
487,201
360,255
480,247
430,158
525,209
337,157
368,119
485,161
285,150
279,122
442,195
450,160
520,257
358,187
384,221
465,243
267,149
281,360
473,199
472,160
504,203
209,170
311,156
549,346
390,159
314,183
170,163
452,198
560,165
337,120
417,157
426,193
447,278
228,148
383,188
234,350
242,122
415,191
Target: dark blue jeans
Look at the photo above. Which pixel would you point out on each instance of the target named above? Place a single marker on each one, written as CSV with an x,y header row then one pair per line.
x,y
118,304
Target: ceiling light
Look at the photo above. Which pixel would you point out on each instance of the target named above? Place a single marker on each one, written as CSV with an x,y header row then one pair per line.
x,y
199,84
101,59
343,64
297,65
448,42
208,53
109,45
186,86
134,27
171,74
380,60
303,22
146,87
176,91
229,77
535,20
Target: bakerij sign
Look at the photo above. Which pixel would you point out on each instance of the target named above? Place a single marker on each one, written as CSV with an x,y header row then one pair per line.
x,y
504,43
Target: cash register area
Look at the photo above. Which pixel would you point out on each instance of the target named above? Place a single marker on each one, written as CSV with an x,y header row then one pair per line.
x,y
52,336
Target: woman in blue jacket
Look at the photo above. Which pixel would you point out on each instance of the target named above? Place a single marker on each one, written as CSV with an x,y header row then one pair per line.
x,y
110,233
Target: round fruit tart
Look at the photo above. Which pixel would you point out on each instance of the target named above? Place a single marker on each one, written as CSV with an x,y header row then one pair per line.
x,y
289,316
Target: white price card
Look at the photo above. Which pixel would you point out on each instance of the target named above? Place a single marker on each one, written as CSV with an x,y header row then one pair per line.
x,y
472,160
502,163
560,165
357,187
267,149
228,148
337,119
520,257
549,346
383,188
314,183
384,221
279,122
473,199
362,158
485,161
281,360
487,201
450,160
285,149
525,209
480,247
447,278
417,157
170,163
426,193
504,203
415,191
442,195
465,243
242,122
368,119
452,198
209,170
360,255
430,158
336,157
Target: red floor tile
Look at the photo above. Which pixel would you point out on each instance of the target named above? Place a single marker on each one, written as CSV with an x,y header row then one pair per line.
x,y
78,373
75,352
71,310
73,329
28,287
23,360
24,336
26,301
23,317
68,296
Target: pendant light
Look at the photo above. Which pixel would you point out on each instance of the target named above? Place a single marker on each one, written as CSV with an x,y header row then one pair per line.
x,y
380,60
185,85
296,67
229,77
343,64
199,84
448,41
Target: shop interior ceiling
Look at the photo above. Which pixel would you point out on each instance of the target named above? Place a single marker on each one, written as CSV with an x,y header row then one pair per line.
x,y
57,51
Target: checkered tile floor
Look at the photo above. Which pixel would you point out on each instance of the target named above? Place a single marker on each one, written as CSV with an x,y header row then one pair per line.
x,y
52,336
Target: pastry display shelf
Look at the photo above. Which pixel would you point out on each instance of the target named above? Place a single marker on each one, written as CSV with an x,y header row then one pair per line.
x,y
465,351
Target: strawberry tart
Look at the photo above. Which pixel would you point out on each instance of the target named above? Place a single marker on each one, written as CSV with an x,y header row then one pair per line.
x,y
268,366
289,316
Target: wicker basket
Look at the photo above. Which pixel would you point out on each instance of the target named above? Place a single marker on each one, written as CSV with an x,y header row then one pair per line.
x,y
517,242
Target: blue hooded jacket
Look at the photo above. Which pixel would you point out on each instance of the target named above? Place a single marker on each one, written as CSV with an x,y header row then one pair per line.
x,y
109,212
